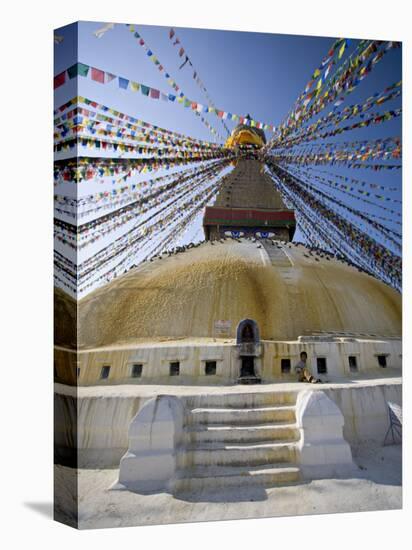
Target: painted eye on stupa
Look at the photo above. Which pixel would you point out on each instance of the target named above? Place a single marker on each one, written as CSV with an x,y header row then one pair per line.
x,y
235,234
264,234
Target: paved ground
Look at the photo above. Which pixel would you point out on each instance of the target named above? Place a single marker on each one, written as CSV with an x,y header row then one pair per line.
x,y
377,486
375,378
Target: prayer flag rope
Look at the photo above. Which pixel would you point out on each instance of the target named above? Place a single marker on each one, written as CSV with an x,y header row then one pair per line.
x,y
103,77
187,60
169,79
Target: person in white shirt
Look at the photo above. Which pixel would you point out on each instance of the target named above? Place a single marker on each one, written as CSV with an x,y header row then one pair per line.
x,y
303,372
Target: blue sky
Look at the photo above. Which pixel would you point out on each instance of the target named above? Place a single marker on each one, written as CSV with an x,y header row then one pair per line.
x,y
234,66
254,73
260,74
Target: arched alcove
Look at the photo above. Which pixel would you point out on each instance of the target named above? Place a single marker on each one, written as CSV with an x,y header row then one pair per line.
x,y
247,332
247,339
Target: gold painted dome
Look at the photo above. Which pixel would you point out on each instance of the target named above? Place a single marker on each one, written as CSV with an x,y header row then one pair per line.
x,y
285,289
246,135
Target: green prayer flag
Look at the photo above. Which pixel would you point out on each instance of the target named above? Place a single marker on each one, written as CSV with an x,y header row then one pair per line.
x,y
82,69
145,89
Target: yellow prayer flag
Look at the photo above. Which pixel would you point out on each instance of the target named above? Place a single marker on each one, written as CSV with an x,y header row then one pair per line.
x,y
342,49
134,86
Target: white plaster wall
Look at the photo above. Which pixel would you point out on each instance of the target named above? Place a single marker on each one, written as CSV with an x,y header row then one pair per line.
x,y
95,426
365,410
322,450
154,435
103,420
192,357
337,357
156,362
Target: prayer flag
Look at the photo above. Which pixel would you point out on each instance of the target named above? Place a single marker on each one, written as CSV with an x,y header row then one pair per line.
x,y
72,71
342,49
123,83
109,77
82,69
97,75
59,79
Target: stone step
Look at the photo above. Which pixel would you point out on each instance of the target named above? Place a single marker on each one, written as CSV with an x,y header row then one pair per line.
x,y
245,454
244,400
242,434
277,255
196,479
241,417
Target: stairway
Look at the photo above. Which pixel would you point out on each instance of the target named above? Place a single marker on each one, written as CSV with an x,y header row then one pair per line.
x,y
237,440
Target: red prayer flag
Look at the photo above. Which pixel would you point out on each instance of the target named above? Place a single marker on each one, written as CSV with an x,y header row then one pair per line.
x,y
181,52
98,75
155,94
59,79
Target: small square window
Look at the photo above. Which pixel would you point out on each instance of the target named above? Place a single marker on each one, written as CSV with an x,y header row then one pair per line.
x,y
321,364
285,366
174,368
210,368
104,373
353,363
137,370
382,361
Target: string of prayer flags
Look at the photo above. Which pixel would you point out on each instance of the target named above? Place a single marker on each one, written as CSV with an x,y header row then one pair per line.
x,y
335,116
81,69
78,169
169,79
182,52
380,260
343,82
121,120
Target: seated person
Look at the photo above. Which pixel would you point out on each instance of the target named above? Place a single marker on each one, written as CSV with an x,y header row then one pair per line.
x,y
304,374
